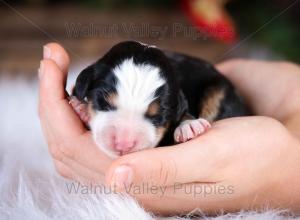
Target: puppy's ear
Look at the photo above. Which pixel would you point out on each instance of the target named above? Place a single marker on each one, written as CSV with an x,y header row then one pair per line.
x,y
83,82
182,106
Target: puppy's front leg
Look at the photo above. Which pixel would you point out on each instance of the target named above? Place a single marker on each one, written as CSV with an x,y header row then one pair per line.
x,y
190,128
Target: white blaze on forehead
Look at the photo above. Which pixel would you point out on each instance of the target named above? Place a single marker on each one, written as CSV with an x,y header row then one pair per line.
x,y
136,85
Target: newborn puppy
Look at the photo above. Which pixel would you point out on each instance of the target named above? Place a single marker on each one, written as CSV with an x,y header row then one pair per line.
x,y
138,96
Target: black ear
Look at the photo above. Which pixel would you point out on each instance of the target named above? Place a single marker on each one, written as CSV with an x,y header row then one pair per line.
x,y
182,106
83,82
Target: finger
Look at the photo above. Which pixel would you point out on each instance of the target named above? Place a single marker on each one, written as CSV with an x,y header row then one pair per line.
x,y
61,124
183,163
81,154
55,112
66,172
58,54
52,81
85,158
87,174
226,67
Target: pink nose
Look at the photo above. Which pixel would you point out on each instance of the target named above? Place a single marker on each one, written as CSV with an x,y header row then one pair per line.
x,y
123,140
124,146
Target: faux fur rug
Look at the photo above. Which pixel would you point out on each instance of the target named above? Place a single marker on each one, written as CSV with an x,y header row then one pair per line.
x,y
29,187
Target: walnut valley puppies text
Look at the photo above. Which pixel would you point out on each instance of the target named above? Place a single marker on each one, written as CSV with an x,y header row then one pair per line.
x,y
133,30
151,189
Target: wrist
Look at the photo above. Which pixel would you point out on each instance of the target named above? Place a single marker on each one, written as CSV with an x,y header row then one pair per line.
x,y
286,190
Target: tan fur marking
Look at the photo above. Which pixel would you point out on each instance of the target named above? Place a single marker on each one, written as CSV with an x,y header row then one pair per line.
x,y
153,108
160,131
210,107
111,99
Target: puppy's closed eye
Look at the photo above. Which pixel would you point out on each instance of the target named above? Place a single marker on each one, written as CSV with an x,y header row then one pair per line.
x,y
104,100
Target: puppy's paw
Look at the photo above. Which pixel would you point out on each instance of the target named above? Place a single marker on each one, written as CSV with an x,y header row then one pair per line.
x,y
80,109
190,129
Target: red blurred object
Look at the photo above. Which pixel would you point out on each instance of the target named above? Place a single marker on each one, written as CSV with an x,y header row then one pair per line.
x,y
211,18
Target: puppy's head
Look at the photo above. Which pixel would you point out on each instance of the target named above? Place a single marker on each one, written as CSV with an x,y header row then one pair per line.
x,y
133,98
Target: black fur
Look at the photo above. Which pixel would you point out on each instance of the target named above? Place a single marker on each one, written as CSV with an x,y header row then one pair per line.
x,y
195,77
188,79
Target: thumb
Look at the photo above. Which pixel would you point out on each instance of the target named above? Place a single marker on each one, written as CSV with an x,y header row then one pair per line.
x,y
227,67
165,166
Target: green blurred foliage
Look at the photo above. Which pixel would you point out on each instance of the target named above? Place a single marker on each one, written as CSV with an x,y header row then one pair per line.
x,y
279,27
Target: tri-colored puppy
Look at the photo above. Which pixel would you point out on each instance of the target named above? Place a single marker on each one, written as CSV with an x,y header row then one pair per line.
x,y
137,96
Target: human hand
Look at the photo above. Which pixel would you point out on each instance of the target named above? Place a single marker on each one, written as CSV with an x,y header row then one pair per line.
x,y
240,163
70,144
212,159
245,153
270,88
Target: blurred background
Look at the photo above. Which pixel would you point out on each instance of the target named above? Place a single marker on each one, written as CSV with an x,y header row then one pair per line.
x,y
212,29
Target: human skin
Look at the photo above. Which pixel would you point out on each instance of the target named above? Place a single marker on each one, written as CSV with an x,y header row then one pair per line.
x,y
257,157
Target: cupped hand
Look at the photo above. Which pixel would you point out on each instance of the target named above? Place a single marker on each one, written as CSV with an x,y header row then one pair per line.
x,y
70,144
240,163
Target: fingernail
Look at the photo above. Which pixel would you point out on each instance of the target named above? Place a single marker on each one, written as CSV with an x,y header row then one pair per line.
x,y
40,70
46,52
122,178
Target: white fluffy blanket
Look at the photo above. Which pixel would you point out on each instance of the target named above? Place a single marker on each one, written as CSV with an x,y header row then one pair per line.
x,y
29,187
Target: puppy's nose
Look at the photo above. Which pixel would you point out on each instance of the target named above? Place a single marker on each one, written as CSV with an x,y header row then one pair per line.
x,y
124,140
124,146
